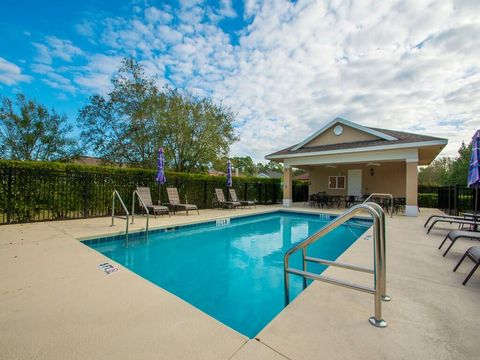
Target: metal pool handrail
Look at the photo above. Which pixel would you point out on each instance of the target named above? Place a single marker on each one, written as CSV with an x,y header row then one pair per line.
x,y
382,195
140,201
116,194
378,271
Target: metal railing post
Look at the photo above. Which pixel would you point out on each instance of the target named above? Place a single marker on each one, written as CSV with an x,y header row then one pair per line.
x,y
140,201
390,196
304,266
377,320
379,271
383,248
116,194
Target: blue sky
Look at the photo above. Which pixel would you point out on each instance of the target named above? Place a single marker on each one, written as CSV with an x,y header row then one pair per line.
x,y
284,67
72,28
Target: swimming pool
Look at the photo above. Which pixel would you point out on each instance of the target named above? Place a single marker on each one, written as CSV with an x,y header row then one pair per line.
x,y
232,269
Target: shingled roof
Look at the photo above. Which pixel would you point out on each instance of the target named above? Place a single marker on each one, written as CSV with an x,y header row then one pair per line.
x,y
401,136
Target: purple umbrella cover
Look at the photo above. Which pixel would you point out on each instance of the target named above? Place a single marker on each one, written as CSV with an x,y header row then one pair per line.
x,y
229,174
161,168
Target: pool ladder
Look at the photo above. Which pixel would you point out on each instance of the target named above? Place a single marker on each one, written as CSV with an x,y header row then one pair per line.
x,y
378,271
383,195
136,195
116,195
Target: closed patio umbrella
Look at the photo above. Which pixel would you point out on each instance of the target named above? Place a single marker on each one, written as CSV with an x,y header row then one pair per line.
x,y
229,174
160,178
474,169
229,177
161,168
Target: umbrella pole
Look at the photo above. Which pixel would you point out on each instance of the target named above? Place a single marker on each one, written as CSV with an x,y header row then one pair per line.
x,y
476,204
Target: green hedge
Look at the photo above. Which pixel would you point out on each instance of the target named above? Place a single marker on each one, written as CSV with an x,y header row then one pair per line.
x,y
428,200
33,191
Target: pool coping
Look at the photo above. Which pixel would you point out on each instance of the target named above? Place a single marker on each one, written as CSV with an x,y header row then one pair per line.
x,y
47,274
119,234
158,229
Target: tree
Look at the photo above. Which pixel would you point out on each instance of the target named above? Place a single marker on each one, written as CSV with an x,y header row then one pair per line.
x,y
446,171
195,131
29,131
245,164
436,174
136,118
121,127
271,165
459,170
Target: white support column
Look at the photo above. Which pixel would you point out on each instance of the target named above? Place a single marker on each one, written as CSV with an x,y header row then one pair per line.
x,y
287,186
411,174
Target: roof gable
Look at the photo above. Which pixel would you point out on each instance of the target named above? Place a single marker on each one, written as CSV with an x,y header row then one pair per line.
x,y
352,132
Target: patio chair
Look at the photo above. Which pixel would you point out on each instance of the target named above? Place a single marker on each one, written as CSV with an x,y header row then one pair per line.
x,y
473,254
322,201
460,222
445,216
351,200
454,235
174,201
222,203
244,203
398,204
144,195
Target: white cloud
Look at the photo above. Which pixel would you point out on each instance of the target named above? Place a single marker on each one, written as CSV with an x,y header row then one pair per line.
x,y
11,74
86,28
63,49
54,47
226,9
154,15
406,65
95,76
41,68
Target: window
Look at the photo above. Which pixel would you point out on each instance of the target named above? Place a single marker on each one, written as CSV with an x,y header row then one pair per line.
x,y
336,182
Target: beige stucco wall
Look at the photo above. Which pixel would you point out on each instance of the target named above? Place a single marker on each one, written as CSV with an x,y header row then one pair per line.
x,y
349,135
412,183
387,178
287,183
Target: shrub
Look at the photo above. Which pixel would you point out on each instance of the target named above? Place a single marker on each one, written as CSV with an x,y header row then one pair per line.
x,y
428,200
32,191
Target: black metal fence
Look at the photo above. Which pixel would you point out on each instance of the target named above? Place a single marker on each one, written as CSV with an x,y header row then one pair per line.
x,y
44,194
455,199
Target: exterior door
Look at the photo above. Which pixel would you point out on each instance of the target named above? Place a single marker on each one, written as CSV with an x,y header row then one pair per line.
x,y
354,183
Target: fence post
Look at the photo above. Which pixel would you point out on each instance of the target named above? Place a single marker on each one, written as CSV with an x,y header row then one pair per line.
x,y
85,195
204,194
455,199
9,196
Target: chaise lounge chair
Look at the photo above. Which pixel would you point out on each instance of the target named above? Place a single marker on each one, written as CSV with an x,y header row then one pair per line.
x,y
454,235
243,203
473,254
454,217
144,195
461,221
174,201
222,203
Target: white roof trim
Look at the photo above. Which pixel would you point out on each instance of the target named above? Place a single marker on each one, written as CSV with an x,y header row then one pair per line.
x,y
347,123
362,149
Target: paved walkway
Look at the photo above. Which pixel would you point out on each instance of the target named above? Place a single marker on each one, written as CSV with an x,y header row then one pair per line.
x,y
56,304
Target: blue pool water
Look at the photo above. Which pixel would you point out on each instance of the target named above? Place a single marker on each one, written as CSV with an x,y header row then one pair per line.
x,y
233,272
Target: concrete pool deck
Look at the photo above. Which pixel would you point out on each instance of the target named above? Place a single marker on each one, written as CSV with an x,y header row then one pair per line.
x,y
56,304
